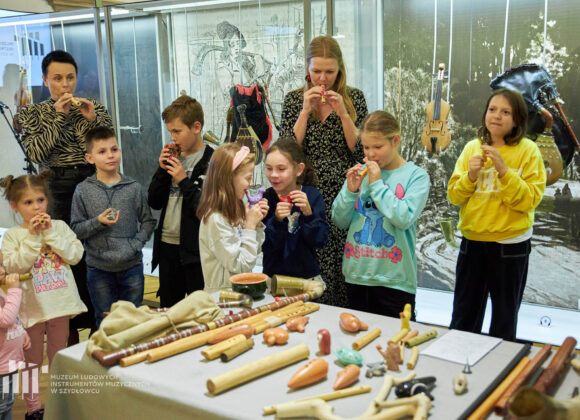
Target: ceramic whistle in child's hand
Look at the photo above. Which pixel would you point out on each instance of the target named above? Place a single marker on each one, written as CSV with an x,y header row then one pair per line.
x,y
254,199
283,210
285,199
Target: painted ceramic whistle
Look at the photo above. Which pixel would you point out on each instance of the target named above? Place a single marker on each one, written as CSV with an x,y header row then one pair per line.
x,y
323,341
297,323
275,336
311,372
347,376
285,199
348,356
255,199
112,214
351,323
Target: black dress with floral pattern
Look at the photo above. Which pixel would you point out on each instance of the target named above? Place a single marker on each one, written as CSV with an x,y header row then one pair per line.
x,y
326,148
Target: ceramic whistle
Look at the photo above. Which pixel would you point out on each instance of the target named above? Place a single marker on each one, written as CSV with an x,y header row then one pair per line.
x,y
297,323
347,376
351,323
311,372
323,341
275,336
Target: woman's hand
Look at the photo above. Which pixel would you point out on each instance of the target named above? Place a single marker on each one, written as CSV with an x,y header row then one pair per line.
x,y
496,159
311,98
300,200
63,103
336,101
87,108
354,178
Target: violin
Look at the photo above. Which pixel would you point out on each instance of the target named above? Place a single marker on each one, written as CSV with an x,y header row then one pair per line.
x,y
435,136
21,99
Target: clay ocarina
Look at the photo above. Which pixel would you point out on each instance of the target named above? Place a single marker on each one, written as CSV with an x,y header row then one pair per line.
x,y
348,356
285,199
346,377
323,341
112,214
245,329
311,372
416,386
297,323
255,199
351,323
275,336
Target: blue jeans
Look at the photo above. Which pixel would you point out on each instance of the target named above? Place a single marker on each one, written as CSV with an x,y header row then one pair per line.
x,y
6,396
107,287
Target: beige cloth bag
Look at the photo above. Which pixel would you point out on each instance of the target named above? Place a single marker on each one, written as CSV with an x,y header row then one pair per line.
x,y
127,325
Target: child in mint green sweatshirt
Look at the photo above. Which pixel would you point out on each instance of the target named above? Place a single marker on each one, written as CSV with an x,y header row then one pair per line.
x,y
379,204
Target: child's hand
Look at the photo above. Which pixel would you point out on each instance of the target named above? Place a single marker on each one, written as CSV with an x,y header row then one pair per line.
x,y
496,159
12,281
373,170
164,157
263,204
175,169
39,223
283,210
354,178
27,343
104,218
475,165
300,199
253,216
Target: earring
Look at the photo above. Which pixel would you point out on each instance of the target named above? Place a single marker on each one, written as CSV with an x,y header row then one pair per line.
x,y
307,78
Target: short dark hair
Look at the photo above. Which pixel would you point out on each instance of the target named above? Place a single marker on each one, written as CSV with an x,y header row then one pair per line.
x,y
98,133
187,109
59,56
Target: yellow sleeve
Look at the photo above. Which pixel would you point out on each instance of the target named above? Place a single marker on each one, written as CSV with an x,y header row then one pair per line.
x,y
460,188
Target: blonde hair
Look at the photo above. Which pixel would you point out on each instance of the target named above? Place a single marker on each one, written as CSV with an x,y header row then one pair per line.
x,y
14,187
219,194
381,123
327,47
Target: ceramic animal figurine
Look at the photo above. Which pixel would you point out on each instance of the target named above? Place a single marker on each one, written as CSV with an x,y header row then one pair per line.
x,y
351,323
297,323
347,376
323,337
405,316
348,356
275,336
415,386
311,372
255,199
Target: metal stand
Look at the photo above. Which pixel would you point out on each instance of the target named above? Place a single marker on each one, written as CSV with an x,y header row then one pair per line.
x,y
29,168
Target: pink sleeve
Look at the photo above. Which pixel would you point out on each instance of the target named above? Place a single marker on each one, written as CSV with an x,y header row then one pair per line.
x,y
9,311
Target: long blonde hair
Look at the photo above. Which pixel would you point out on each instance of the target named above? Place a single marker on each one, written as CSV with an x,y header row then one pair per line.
x,y
327,47
219,194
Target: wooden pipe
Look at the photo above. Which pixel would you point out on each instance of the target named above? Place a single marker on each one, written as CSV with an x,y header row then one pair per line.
x,y
347,376
214,351
245,373
363,341
552,373
421,338
530,404
500,407
236,350
311,372
351,323
21,277
231,331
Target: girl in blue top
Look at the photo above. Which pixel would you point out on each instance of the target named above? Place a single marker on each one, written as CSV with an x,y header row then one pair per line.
x,y
380,204
296,222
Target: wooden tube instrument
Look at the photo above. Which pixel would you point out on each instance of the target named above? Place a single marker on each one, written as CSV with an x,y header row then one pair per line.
x,y
487,405
413,359
346,392
421,338
363,341
21,277
552,373
112,358
252,370
500,407
213,352
236,350
399,336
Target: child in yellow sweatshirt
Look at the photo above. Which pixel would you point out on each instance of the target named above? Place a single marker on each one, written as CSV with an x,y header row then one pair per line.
x,y
498,181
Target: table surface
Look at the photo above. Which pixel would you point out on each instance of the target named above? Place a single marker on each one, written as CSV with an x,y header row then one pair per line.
x,y
176,387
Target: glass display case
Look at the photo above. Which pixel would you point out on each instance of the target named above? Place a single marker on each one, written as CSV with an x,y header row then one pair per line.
x,y
142,56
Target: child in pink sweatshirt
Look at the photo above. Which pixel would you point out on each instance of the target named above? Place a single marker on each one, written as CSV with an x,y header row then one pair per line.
x,y
13,339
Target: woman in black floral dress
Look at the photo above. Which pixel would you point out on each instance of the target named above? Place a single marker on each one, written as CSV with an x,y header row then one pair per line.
x,y
323,116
